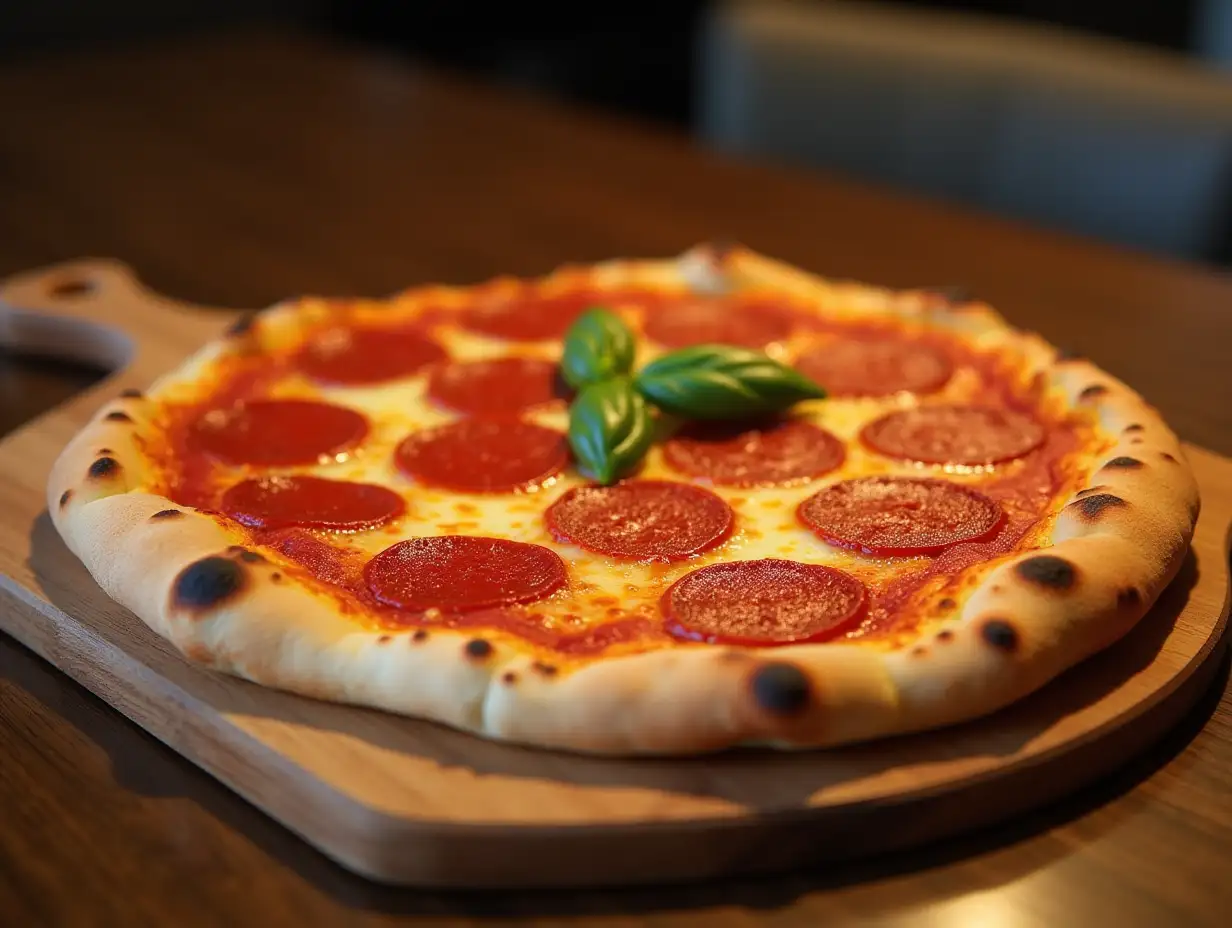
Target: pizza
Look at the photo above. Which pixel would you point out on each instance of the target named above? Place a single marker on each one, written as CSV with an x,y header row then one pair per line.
x,y
659,506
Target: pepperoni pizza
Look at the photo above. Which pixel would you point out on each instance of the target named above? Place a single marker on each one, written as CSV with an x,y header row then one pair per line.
x,y
377,502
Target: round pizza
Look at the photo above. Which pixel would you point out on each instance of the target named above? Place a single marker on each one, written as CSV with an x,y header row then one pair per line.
x,y
636,507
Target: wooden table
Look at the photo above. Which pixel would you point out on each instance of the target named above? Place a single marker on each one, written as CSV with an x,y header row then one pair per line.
x,y
235,171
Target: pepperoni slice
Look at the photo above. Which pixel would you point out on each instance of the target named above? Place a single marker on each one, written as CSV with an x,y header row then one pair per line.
x,y
278,433
355,356
701,322
643,520
273,502
766,602
876,366
893,516
531,317
970,435
459,573
496,387
776,453
484,455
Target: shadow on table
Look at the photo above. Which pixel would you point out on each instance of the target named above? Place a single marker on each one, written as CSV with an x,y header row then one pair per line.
x,y
160,772
129,746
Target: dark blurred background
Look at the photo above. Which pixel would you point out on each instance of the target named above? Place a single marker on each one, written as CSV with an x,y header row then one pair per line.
x,y
1111,120
635,56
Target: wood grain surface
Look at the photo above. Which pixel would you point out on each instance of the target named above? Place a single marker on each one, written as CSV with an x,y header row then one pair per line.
x,y
236,170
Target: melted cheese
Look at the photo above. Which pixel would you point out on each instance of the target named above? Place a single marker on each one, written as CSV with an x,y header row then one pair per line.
x,y
600,587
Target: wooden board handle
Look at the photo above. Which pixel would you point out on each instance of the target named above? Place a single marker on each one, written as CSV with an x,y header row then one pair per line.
x,y
95,310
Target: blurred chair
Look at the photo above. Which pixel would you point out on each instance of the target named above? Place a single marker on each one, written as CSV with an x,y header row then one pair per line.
x,y
1212,32
1097,137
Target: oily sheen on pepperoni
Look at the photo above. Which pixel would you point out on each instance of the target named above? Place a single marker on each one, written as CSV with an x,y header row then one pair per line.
x,y
764,602
875,366
970,435
354,356
276,501
458,573
496,387
278,433
900,516
483,455
774,453
643,520
717,321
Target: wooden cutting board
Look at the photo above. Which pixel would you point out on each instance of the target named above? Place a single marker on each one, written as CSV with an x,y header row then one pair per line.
x,y
410,802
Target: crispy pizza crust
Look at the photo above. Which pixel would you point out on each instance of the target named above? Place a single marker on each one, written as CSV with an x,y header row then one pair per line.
x,y
1115,546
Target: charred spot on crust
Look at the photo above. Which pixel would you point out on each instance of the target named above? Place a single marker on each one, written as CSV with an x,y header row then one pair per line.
x,y
65,497
919,651
1094,391
105,451
1123,462
243,325
207,582
420,635
275,577
1133,427
384,639
249,557
945,635
1167,457
1128,597
103,467
509,678
1089,490
543,669
955,294
1049,571
1093,507
1000,634
781,689
946,602
166,514
71,287
131,394
118,416
478,649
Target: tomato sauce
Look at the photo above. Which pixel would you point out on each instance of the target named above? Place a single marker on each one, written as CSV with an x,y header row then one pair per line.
x,y
1027,489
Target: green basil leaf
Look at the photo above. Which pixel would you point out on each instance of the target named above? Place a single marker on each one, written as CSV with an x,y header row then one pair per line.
x,y
723,382
597,346
610,429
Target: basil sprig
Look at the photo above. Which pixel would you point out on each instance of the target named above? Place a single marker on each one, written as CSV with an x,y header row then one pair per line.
x,y
610,428
597,346
723,382
611,419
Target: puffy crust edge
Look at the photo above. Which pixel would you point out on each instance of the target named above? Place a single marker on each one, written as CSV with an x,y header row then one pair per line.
x,y
1115,546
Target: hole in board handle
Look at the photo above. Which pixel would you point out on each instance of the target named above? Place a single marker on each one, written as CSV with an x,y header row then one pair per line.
x,y
71,288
